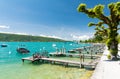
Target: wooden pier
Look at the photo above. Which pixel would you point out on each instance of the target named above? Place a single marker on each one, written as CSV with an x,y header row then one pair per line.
x,y
63,62
85,55
74,55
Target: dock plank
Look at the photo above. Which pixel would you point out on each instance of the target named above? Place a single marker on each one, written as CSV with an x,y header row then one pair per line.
x,y
70,54
67,62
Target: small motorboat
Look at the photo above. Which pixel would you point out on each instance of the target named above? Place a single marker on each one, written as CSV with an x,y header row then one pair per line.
x,y
22,50
3,45
71,51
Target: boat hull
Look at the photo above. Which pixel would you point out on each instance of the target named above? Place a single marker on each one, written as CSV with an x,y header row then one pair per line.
x,y
23,50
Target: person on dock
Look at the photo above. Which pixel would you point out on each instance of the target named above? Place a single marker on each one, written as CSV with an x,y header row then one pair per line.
x,y
36,55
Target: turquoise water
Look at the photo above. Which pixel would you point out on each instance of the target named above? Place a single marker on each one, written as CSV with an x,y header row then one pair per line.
x,y
12,67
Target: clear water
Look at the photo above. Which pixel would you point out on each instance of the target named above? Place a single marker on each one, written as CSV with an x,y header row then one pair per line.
x,y
11,66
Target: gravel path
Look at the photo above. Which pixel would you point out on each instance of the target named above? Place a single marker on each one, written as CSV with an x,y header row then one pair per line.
x,y
107,69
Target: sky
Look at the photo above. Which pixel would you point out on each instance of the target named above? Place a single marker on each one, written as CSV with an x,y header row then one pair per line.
x,y
49,18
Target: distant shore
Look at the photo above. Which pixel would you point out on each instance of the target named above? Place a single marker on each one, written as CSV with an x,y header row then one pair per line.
x,y
26,38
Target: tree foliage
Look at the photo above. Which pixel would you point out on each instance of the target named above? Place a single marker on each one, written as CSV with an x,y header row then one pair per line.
x,y
112,22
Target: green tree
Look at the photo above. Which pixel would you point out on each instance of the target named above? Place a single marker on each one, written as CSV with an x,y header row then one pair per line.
x,y
98,38
112,23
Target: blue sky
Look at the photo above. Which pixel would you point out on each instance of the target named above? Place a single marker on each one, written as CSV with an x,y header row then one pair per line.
x,y
53,18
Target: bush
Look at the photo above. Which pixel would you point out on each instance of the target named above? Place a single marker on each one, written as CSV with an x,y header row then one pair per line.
x,y
109,56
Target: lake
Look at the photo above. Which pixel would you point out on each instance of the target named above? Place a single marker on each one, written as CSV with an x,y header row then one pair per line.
x,y
11,66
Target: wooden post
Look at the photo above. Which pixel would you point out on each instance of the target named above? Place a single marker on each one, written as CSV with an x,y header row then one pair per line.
x,y
57,50
23,60
81,65
80,58
65,64
95,52
53,62
61,50
91,54
83,57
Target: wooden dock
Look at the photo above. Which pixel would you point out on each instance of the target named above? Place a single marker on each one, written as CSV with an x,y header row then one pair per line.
x,y
63,62
85,55
73,55
30,59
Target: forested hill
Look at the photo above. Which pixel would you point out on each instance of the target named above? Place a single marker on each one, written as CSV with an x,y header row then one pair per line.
x,y
26,38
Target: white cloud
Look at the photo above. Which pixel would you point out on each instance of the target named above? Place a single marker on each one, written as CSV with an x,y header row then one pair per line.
x,y
53,36
21,33
4,27
14,33
82,37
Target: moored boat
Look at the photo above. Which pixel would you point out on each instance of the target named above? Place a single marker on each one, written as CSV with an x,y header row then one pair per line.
x,y
22,50
3,45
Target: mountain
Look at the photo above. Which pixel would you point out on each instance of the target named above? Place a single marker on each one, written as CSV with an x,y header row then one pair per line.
x,y
26,38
